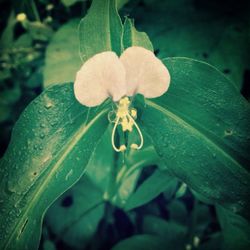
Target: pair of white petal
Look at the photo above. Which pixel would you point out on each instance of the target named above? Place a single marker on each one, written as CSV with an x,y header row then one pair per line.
x,y
105,75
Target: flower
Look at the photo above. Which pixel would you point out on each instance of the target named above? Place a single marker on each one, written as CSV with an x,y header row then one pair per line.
x,y
137,71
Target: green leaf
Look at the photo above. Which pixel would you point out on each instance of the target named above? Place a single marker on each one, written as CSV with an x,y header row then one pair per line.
x,y
7,35
68,3
171,233
150,188
132,37
178,212
39,31
140,242
121,3
200,129
74,217
50,146
100,30
214,242
117,177
235,230
62,55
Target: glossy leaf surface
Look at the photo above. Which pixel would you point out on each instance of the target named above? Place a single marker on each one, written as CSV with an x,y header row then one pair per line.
x,y
200,129
50,147
132,37
62,55
100,30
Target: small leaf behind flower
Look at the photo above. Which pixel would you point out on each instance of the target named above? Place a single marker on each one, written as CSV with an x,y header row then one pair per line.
x,y
100,30
132,37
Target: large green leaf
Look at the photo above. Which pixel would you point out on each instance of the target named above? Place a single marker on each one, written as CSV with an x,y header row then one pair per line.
x,y
100,30
200,128
235,230
50,146
62,55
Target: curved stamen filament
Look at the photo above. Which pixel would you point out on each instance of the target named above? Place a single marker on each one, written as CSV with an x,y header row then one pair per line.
x,y
122,147
126,118
134,145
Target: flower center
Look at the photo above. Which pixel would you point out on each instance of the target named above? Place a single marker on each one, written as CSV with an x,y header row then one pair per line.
x,y
126,116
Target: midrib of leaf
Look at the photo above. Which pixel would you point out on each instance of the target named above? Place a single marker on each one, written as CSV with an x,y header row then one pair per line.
x,y
240,171
108,37
114,3
78,135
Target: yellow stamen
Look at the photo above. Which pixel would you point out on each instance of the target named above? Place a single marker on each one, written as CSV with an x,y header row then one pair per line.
x,y
126,118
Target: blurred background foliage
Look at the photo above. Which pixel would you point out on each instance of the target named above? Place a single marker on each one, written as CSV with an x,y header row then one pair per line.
x,y
39,48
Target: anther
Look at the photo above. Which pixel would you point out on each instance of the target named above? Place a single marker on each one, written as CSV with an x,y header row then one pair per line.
x,y
134,146
122,148
126,118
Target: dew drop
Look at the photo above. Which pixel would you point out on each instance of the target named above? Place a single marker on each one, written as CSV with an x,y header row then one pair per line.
x,y
48,105
53,123
42,135
228,132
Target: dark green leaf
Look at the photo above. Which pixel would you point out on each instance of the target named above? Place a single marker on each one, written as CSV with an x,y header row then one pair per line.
x,y
200,128
140,242
150,188
202,30
121,3
68,3
74,217
171,233
7,35
50,146
116,176
235,230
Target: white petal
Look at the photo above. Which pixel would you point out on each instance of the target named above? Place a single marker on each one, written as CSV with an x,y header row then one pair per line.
x,y
145,73
103,75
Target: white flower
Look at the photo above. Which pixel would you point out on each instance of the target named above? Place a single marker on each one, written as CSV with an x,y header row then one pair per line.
x,y
137,71
105,75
